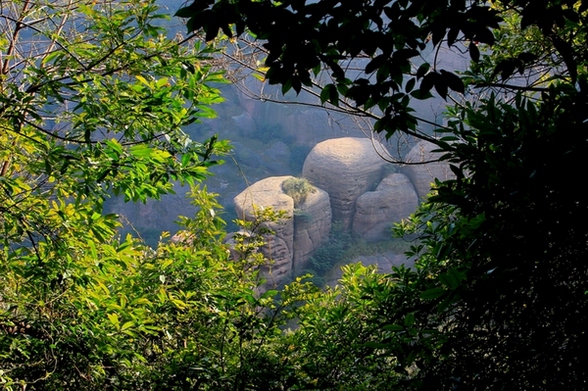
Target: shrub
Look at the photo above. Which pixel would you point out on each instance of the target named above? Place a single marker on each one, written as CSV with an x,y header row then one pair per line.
x,y
298,189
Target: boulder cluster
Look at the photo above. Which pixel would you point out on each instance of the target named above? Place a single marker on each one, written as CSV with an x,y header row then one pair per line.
x,y
354,187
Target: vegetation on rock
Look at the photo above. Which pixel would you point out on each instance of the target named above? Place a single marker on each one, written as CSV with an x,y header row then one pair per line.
x,y
298,189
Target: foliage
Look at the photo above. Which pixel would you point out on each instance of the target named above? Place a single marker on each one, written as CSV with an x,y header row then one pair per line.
x,y
180,316
381,43
298,189
329,254
509,246
97,108
333,347
498,297
93,98
93,112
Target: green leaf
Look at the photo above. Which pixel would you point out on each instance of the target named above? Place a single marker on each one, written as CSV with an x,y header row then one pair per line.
x,y
144,81
114,320
127,325
141,151
432,293
186,159
409,319
329,93
393,327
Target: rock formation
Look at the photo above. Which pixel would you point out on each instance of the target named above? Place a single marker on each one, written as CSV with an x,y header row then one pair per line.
x,y
297,236
312,224
268,193
280,269
347,174
345,168
277,158
422,175
394,199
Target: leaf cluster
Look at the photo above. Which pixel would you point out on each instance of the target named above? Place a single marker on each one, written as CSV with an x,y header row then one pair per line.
x,y
504,245
374,51
376,40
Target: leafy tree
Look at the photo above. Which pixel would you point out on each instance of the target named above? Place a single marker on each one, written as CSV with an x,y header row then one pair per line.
x,y
498,298
93,99
93,102
380,43
514,273
177,317
337,345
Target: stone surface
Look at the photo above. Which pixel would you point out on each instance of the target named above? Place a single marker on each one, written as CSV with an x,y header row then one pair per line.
x,y
345,168
247,156
279,268
268,193
298,235
422,175
394,199
312,224
245,124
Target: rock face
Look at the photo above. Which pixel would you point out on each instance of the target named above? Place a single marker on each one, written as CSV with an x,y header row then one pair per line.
x,y
268,193
277,158
298,235
345,168
276,249
422,175
347,174
312,224
394,199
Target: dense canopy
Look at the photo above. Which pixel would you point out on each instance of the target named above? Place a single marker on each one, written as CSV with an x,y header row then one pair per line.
x,y
303,37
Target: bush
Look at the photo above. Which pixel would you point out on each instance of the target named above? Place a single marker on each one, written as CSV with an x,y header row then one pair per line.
x,y
298,189
329,254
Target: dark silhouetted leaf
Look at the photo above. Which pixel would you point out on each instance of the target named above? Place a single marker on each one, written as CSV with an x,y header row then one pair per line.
x,y
485,36
376,63
418,94
410,85
474,52
329,93
453,81
428,82
441,87
452,36
432,293
423,69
